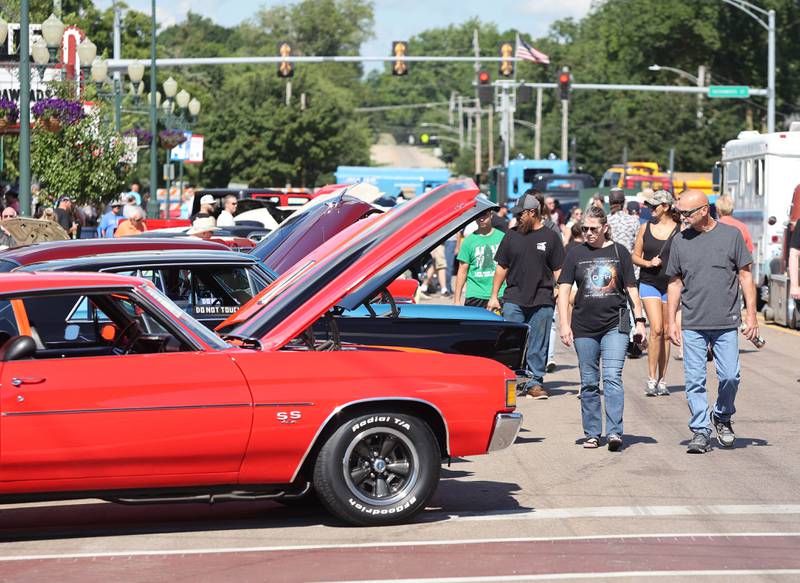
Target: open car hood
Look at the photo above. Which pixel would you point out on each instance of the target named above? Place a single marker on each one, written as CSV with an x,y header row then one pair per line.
x,y
349,268
29,231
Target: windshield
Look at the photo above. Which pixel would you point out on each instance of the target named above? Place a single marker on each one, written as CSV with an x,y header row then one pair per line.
x,y
196,327
7,265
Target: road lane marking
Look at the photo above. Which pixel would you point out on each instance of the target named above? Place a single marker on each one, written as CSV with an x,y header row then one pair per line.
x,y
610,575
422,543
620,512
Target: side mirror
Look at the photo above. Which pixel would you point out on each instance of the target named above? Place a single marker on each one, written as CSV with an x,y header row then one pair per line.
x,y
18,348
772,220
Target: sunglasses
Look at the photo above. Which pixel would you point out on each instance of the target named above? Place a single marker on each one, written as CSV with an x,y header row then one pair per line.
x,y
9,216
689,213
591,229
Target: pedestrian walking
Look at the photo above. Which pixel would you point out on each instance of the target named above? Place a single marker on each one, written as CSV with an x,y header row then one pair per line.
x,y
476,264
599,324
110,220
651,254
622,226
708,262
529,261
724,206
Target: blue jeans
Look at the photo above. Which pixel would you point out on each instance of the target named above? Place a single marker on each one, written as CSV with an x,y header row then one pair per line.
x,y
610,348
539,320
725,344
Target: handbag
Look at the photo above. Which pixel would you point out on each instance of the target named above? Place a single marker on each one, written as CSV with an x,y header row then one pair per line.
x,y
625,312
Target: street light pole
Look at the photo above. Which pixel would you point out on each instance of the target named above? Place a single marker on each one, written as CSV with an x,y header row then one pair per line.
x,y
24,110
153,111
751,10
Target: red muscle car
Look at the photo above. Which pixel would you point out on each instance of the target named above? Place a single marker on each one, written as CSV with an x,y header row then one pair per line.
x,y
110,390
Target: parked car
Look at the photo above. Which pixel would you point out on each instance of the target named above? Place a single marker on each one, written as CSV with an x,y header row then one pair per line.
x,y
15,257
186,416
210,285
236,238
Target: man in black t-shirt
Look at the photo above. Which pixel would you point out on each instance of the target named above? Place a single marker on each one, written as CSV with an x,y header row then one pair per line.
x,y
529,260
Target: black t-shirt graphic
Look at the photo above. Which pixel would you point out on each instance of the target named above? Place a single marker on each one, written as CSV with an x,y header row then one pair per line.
x,y
601,275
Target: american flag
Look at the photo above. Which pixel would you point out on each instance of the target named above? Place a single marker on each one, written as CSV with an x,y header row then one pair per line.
x,y
527,53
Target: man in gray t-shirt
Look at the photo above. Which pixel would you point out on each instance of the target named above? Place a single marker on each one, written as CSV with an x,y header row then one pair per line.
x,y
708,262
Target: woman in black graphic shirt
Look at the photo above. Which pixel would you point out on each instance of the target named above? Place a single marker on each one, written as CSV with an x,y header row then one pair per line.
x,y
603,272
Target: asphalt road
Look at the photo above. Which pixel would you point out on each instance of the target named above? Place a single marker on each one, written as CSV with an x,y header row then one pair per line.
x,y
543,509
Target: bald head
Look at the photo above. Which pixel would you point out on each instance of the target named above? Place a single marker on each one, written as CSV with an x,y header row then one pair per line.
x,y
692,199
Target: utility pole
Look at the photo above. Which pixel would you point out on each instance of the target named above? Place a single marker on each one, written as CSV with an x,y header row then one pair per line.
x,y
701,82
564,128
460,122
117,75
478,139
537,140
490,141
153,115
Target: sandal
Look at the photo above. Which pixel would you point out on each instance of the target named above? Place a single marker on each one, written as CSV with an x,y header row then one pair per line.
x,y
591,443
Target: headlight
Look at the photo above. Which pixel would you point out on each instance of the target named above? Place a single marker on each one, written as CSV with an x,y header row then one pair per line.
x,y
511,393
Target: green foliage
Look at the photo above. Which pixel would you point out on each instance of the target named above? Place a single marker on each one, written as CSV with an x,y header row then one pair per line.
x,y
82,161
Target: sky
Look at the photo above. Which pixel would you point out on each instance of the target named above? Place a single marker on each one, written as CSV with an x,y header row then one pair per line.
x,y
394,19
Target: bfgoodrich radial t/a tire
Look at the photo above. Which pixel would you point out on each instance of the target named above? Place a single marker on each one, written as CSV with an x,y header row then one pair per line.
x,y
378,469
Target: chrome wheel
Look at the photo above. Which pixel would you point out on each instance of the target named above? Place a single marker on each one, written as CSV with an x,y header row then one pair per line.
x,y
380,466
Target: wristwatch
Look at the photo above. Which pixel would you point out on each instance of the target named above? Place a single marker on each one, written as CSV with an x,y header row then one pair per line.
x,y
640,320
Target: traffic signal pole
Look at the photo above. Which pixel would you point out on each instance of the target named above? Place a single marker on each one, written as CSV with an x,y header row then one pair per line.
x,y
564,128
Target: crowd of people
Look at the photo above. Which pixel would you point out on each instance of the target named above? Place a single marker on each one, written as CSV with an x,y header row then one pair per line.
x,y
595,279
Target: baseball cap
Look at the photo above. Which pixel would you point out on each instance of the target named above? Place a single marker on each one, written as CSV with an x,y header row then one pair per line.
x,y
660,197
525,203
63,198
633,206
207,199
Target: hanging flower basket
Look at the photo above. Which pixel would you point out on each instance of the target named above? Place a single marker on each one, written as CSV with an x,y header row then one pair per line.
x,y
171,138
9,113
51,124
143,137
53,114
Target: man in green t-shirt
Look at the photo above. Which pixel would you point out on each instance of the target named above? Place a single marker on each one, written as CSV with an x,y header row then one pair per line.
x,y
476,263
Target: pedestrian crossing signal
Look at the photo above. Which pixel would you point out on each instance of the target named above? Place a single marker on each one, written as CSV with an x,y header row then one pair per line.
x,y
507,63
399,66
285,68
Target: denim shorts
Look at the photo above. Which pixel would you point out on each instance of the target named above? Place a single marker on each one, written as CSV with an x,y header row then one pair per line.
x,y
648,291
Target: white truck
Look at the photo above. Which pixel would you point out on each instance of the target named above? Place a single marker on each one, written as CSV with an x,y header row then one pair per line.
x,y
760,172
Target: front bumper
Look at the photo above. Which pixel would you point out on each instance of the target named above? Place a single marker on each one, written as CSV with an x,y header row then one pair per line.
x,y
506,427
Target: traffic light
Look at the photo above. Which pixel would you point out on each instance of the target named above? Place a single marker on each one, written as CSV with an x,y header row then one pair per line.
x,y
564,83
507,64
285,68
485,90
399,65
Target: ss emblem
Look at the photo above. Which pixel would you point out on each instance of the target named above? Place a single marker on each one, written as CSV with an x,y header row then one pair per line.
x,y
289,416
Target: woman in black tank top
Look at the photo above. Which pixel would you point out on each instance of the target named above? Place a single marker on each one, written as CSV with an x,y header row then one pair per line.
x,y
651,253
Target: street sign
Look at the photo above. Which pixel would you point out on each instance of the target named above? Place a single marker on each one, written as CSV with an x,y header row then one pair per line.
x,y
729,91
169,171
180,153
196,149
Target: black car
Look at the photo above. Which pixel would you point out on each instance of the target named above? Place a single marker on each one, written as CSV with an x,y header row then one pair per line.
x,y
211,285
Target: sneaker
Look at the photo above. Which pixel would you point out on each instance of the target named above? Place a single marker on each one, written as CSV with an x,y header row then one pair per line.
x,y
662,389
446,293
652,388
725,435
700,443
551,366
614,442
538,392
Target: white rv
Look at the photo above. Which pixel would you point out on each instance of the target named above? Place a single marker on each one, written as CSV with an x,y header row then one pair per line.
x,y
760,173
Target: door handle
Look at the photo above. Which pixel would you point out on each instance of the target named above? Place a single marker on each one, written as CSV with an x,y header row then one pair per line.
x,y
17,381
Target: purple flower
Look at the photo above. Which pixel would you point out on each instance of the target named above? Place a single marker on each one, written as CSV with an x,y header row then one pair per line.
x,y
143,137
66,111
172,138
9,110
